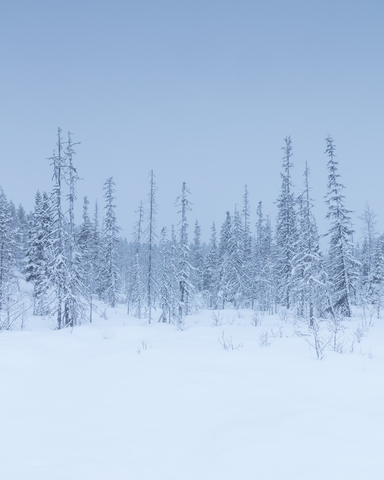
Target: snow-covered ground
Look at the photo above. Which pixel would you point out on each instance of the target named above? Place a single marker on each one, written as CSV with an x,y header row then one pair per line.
x,y
124,400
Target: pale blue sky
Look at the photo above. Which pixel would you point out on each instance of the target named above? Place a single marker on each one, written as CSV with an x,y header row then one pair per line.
x,y
200,91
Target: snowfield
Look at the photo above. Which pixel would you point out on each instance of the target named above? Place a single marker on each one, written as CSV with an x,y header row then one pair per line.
x,y
124,400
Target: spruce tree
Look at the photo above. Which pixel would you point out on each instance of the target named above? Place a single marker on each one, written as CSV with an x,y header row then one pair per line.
x,y
58,273
125,266
248,259
167,279
197,259
307,259
151,238
97,252
377,274
12,301
236,271
137,284
74,308
110,236
263,282
342,266
37,257
286,232
86,253
224,259
6,249
211,270
173,276
268,274
184,271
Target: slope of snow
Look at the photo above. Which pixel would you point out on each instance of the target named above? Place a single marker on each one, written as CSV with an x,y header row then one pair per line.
x,y
124,400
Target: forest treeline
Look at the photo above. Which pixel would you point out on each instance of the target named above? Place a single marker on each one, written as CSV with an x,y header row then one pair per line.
x,y
163,274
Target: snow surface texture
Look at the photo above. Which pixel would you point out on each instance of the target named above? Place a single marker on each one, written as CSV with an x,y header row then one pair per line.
x,y
121,399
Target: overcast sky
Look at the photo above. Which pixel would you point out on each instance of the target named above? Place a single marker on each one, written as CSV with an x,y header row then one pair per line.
x,y
198,91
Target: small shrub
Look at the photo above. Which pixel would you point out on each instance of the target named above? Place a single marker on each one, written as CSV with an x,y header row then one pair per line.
x,y
368,353
217,319
317,342
180,326
278,333
264,340
336,328
256,319
360,332
227,343
144,346
231,321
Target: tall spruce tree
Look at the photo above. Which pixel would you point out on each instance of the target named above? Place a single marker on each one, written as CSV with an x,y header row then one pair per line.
x,y
306,262
263,282
125,267
286,229
37,256
268,269
224,259
258,285
168,279
236,271
197,259
6,249
58,260
377,274
12,300
87,256
151,238
137,284
74,308
248,264
110,268
174,278
184,272
211,270
342,266
97,254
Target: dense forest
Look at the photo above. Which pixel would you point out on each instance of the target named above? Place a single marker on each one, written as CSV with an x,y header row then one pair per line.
x,y
163,274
